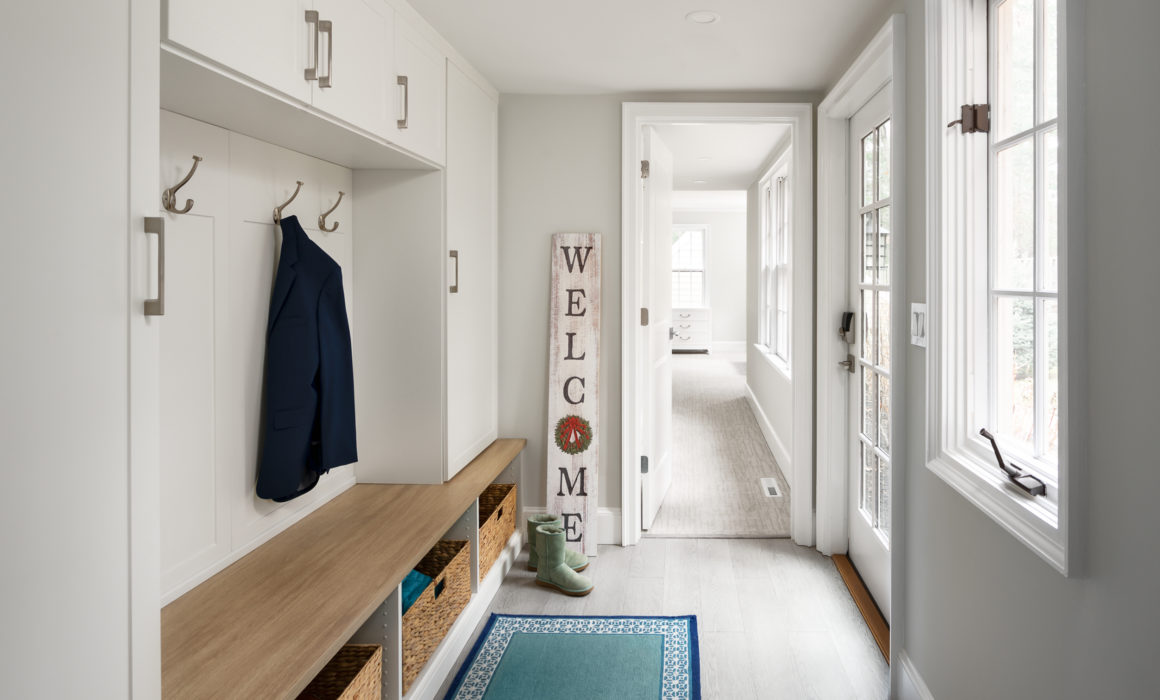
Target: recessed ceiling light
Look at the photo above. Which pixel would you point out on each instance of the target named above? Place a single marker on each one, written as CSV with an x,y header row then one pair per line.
x,y
699,182
702,17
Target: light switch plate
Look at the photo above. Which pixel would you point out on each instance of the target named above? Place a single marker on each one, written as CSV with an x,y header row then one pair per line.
x,y
918,325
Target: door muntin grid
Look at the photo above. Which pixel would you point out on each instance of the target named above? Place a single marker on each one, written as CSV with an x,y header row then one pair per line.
x,y
874,350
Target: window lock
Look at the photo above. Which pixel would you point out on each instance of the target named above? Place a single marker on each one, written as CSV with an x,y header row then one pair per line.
x,y
1026,482
975,119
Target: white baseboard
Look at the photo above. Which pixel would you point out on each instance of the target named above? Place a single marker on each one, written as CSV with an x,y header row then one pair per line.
x,y
780,454
729,346
607,523
911,685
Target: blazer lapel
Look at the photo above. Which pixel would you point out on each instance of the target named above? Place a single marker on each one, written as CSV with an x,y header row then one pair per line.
x,y
284,279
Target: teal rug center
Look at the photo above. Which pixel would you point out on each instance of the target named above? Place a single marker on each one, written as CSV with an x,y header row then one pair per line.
x,y
569,666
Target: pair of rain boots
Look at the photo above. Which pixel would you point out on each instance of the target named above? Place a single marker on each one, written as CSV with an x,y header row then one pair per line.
x,y
555,565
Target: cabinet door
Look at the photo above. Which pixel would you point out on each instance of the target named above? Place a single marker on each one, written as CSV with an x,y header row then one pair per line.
x,y
471,232
265,40
357,58
421,105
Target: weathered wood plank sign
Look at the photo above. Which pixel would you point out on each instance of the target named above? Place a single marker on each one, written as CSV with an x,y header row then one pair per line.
x,y
574,386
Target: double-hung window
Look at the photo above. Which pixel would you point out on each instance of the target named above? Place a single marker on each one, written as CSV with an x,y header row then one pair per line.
x,y
689,287
773,317
998,250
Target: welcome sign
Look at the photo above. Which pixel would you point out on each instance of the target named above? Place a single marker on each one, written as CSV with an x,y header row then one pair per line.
x,y
574,386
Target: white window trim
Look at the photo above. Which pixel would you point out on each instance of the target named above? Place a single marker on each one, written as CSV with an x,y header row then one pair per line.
x,y
704,229
956,75
767,299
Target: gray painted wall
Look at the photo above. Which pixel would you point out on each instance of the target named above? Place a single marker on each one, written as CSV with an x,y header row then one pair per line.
x,y
559,165
726,265
985,617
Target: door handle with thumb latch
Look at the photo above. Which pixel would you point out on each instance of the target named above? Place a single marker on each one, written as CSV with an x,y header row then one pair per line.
x,y
672,332
849,364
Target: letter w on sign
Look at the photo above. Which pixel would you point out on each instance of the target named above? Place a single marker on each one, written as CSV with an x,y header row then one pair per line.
x,y
574,386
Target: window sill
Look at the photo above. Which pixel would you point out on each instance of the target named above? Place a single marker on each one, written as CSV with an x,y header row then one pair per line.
x,y
773,360
1033,521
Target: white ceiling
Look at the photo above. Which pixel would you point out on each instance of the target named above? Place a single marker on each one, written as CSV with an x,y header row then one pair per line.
x,y
600,46
725,156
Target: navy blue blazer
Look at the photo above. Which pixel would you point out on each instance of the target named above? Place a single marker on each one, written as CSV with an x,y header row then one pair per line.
x,y
309,395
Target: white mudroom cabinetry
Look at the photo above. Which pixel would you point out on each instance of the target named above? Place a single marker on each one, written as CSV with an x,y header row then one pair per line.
x,y
407,130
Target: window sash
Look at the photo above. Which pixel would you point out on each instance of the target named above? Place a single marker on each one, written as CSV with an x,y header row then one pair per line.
x,y
1034,456
958,283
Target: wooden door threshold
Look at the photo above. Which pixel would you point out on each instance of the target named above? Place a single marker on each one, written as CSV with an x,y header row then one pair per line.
x,y
879,629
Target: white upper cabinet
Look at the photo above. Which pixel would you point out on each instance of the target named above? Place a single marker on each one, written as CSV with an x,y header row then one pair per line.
x,y
355,62
420,89
472,335
337,55
265,40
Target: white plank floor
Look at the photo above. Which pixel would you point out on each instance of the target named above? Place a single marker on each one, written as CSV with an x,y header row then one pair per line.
x,y
775,619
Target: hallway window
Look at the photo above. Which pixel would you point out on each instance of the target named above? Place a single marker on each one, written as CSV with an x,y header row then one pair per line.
x,y
999,291
689,288
774,321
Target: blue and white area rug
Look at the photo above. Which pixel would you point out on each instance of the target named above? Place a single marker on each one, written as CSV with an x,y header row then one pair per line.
x,y
538,657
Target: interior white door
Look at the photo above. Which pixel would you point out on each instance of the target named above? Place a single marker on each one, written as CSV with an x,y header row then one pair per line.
x,y
658,257
871,426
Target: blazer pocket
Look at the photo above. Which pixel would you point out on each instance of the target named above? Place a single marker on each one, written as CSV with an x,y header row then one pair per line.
x,y
293,417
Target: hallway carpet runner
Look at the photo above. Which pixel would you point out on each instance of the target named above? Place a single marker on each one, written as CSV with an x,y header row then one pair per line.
x,y
538,657
719,457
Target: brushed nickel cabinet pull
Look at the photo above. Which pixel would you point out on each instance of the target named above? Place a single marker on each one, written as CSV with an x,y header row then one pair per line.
x,y
156,307
455,257
402,80
312,19
327,27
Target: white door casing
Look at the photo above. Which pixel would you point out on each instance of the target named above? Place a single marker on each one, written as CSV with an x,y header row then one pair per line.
x,y
634,293
657,191
870,426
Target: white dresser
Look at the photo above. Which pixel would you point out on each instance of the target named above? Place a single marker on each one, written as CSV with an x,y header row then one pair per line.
x,y
693,328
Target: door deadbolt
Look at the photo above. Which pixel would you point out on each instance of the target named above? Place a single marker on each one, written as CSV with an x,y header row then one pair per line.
x,y
849,364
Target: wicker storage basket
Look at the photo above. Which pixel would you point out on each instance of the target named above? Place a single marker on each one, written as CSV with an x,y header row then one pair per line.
x,y
497,522
426,623
355,673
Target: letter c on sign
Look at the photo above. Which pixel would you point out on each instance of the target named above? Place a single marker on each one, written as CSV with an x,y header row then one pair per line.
x,y
568,394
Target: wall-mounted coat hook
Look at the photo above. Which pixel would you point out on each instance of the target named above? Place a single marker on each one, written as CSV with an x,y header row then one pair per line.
x,y
278,210
169,196
328,212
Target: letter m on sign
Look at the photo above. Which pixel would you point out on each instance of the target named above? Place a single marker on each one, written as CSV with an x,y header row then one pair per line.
x,y
574,429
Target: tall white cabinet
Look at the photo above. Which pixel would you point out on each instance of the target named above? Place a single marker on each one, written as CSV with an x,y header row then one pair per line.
x,y
472,322
427,362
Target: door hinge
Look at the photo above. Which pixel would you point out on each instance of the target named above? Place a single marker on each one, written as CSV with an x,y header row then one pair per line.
x,y
643,316
975,119
643,464
644,169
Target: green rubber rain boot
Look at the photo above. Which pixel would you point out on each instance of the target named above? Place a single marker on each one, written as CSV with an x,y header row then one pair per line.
x,y
553,572
576,560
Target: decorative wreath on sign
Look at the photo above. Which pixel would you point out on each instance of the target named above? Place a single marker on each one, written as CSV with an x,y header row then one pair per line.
x,y
573,435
